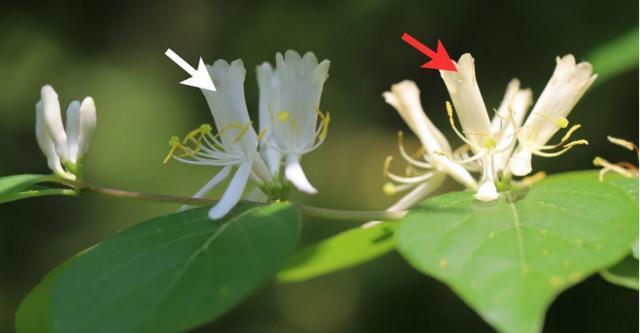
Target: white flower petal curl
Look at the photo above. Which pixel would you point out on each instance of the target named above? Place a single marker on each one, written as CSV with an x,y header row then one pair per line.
x,y
233,193
294,173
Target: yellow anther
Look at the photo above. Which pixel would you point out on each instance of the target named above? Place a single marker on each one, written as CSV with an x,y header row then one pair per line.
x,y
283,116
562,122
174,140
490,143
389,189
205,129
449,109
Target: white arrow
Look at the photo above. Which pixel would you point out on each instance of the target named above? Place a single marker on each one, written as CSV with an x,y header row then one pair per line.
x,y
200,78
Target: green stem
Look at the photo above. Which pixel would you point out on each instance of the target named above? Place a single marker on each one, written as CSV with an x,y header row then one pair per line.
x,y
335,214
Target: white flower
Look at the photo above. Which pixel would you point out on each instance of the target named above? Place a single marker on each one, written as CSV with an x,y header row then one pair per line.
x,y
64,149
236,143
427,174
476,127
289,101
566,86
289,112
508,120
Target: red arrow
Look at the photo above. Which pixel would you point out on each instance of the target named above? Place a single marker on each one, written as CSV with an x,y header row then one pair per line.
x,y
439,59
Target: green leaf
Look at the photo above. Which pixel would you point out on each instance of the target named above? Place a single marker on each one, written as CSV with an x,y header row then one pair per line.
x,y
509,259
168,274
347,249
19,187
615,57
625,273
628,185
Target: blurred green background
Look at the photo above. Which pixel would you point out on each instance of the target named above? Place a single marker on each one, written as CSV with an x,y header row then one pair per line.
x,y
113,51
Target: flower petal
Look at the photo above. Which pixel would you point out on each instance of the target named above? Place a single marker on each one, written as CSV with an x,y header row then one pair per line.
x,y
467,100
73,128
229,108
405,98
567,85
213,182
87,125
296,176
520,161
233,193
52,120
46,144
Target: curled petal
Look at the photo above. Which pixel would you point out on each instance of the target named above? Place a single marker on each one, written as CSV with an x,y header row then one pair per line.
x,y
520,162
213,182
296,176
233,193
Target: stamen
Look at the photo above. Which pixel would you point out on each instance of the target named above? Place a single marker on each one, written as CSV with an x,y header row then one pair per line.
x,y
453,125
622,143
391,188
566,148
564,139
409,158
410,180
174,143
608,166
325,119
561,122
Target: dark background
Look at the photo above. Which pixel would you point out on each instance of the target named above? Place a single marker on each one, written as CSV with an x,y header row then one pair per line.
x,y
113,51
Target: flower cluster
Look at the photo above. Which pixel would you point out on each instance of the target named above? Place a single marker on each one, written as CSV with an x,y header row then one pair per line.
x,y
496,148
64,149
290,125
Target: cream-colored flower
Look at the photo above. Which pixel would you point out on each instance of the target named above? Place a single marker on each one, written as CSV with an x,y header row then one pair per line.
x,y
476,127
567,85
428,173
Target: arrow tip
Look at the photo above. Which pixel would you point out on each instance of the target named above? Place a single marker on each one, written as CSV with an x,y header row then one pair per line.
x,y
201,78
441,61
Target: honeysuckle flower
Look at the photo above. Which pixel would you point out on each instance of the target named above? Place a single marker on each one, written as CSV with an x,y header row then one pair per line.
x,y
508,120
425,175
289,112
567,85
235,144
289,102
64,149
477,131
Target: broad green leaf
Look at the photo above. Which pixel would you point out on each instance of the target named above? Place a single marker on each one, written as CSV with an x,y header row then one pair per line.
x,y
168,274
19,187
510,258
347,249
615,57
628,185
625,273
620,273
